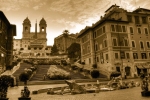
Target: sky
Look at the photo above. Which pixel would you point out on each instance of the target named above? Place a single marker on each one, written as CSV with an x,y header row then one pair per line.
x,y
72,15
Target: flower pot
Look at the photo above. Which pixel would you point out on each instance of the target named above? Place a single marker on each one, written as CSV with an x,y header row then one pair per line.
x,y
4,98
23,98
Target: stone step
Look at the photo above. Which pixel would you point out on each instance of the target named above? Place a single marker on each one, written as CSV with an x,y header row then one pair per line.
x,y
42,70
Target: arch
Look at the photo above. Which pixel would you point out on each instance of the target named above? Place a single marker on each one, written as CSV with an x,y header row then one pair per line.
x,y
26,29
42,29
118,68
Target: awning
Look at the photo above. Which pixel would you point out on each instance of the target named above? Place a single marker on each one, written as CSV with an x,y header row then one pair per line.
x,y
146,66
142,65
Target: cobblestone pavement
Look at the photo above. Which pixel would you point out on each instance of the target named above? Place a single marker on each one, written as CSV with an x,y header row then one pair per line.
x,y
124,94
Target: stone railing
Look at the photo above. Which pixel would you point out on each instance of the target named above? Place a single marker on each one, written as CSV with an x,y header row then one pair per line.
x,y
86,67
15,68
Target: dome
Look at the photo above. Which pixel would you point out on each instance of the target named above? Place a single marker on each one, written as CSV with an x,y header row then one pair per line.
x,y
42,21
26,21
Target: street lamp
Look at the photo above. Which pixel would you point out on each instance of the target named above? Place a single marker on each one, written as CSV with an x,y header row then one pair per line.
x,y
2,55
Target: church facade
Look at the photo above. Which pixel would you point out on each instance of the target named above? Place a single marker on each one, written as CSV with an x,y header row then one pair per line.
x,y
32,44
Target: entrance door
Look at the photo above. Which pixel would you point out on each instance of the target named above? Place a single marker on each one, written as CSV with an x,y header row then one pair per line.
x,y
138,71
127,70
118,68
145,71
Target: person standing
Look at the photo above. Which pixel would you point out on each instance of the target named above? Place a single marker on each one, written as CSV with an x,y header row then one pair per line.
x,y
44,77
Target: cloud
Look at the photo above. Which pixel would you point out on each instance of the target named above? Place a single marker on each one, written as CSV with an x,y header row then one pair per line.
x,y
77,14
131,5
143,4
81,10
7,6
72,26
39,5
89,11
73,15
15,5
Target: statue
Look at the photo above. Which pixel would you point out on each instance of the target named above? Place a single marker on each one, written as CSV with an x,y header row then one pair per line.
x,y
25,93
75,88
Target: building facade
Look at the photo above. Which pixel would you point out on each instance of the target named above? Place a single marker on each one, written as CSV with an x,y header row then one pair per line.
x,y
7,31
119,41
17,46
64,40
32,44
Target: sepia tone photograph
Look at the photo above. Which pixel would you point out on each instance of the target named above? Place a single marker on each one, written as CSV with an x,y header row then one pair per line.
x,y
74,49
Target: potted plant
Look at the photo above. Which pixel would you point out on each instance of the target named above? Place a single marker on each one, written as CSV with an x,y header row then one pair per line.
x,y
25,93
5,82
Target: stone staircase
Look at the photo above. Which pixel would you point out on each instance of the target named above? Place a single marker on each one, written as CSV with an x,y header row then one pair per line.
x,y
88,67
41,71
74,74
21,69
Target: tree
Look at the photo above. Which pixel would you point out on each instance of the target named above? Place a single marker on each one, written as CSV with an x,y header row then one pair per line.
x,y
74,50
5,82
54,50
65,32
24,77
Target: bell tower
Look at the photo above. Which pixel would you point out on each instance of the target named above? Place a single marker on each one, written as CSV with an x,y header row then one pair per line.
x,y
26,26
42,26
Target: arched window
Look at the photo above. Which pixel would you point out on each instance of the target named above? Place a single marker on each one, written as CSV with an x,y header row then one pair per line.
x,y
141,44
114,42
96,46
26,29
125,42
105,42
42,29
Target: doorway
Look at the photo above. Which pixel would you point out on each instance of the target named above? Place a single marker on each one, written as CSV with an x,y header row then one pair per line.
x,y
127,71
118,68
145,71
